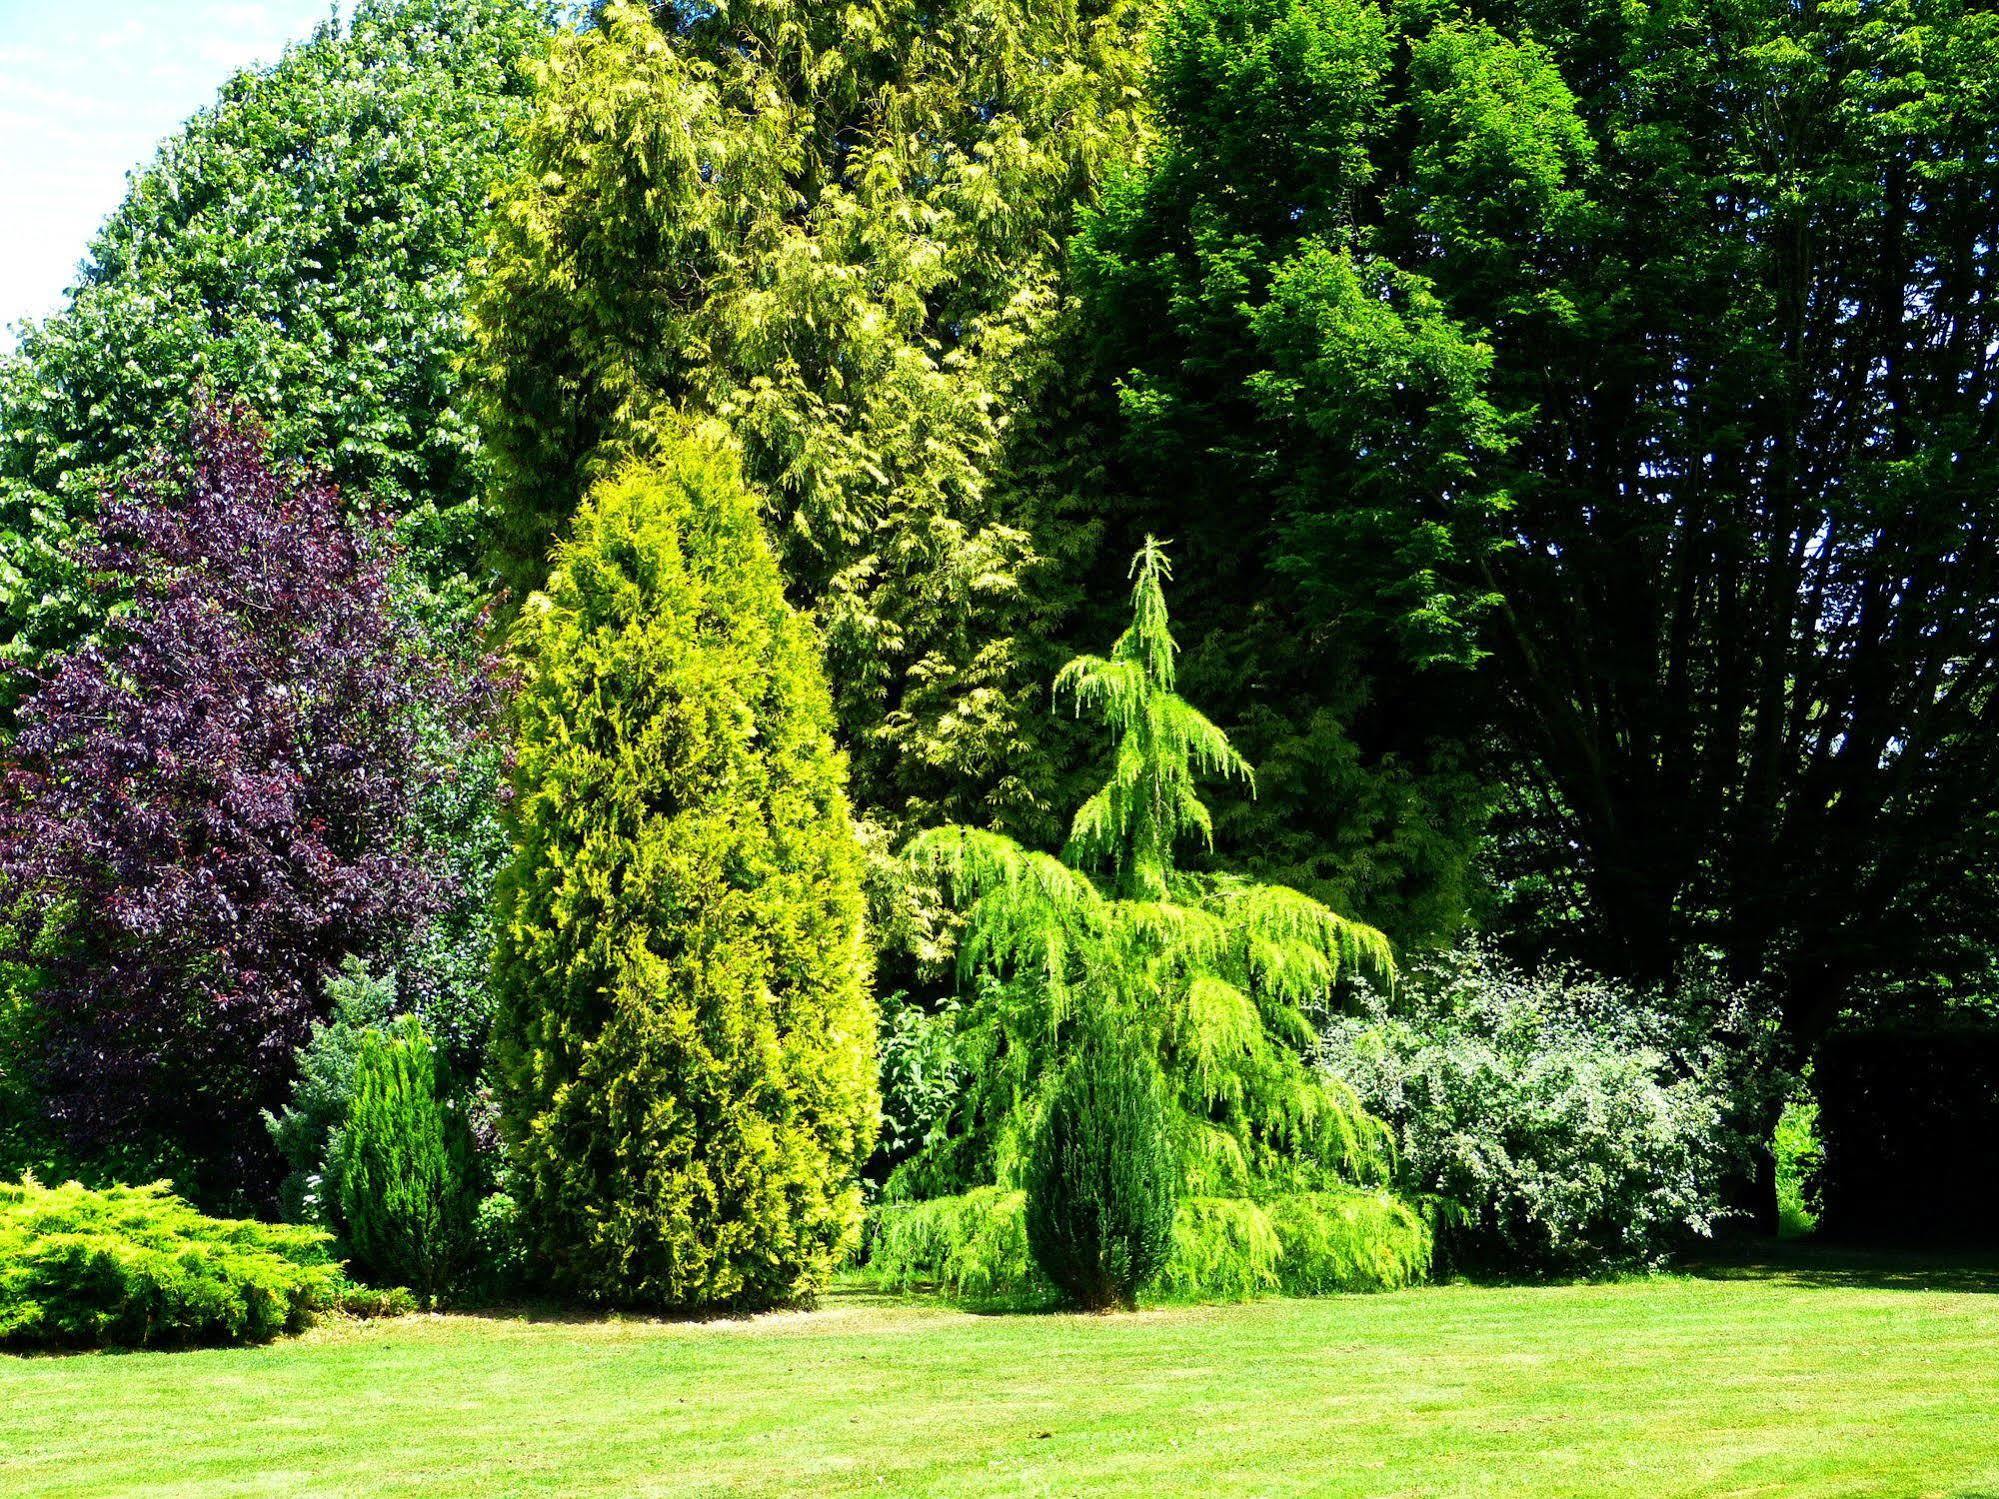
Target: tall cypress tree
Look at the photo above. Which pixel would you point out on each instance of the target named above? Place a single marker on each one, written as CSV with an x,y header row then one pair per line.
x,y
838,228
685,1033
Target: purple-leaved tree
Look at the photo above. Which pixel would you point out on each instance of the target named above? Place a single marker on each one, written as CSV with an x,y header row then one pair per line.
x,y
208,809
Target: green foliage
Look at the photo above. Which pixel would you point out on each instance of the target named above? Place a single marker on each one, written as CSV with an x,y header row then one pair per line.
x,y
1222,979
399,1168
501,1261
686,1036
1224,1249
301,245
920,1075
443,971
322,1091
1566,1124
1799,1156
839,229
1102,1178
1298,1244
1307,420
27,1141
373,1303
973,1247
134,1267
1643,347
1348,1240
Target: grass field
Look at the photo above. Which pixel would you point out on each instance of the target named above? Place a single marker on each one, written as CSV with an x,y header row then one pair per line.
x,y
1812,1377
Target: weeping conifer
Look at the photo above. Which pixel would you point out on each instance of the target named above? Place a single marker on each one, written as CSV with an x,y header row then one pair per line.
x,y
1218,977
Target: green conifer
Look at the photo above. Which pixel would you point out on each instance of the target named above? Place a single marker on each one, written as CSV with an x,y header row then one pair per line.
x,y
399,1169
1220,977
686,1032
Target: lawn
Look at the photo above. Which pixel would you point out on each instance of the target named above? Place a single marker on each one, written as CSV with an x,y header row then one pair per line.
x,y
1813,1376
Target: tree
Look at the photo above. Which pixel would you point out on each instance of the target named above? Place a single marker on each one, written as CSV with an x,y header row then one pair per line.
x,y
1304,417
207,812
686,1037
1102,1181
399,1168
1216,977
839,230
299,245
1735,280
1668,332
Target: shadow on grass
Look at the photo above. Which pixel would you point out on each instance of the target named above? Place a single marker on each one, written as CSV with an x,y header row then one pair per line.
x,y
1850,1267
848,1292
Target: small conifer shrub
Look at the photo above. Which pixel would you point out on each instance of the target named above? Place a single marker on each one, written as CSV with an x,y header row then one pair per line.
x,y
1103,1181
137,1267
400,1168
685,1030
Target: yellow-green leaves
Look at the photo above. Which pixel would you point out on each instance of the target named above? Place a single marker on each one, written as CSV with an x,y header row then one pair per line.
x,y
839,230
1225,980
686,1032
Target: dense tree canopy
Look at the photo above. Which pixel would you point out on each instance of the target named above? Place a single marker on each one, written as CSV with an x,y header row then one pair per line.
x,y
839,229
1736,265
1577,425
1650,349
206,812
685,1035
299,245
1306,420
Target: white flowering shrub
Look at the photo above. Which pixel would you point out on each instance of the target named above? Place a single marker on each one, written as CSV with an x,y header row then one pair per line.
x,y
1565,1125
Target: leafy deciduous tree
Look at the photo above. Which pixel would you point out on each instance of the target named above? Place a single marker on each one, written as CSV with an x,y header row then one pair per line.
x,y
1670,329
208,811
299,245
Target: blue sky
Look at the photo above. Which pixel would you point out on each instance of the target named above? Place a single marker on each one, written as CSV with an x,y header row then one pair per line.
x,y
87,89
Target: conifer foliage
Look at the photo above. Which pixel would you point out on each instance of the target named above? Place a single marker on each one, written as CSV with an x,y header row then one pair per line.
x,y
685,1029
839,229
1102,1184
400,1167
1219,978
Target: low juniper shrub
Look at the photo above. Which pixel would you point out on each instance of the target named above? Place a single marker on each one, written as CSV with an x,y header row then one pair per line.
x,y
137,1267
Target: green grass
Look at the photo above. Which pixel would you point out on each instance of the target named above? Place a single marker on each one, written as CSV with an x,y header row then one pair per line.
x,y
1814,1377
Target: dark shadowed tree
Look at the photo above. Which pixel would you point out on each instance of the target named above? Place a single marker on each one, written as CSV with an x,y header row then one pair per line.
x,y
1692,312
